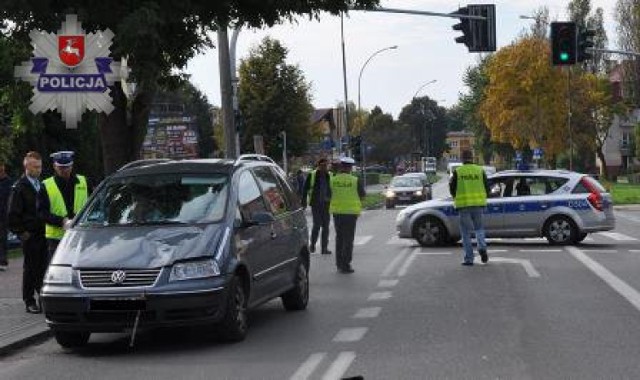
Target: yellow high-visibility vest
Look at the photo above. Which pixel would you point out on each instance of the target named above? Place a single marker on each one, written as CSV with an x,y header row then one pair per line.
x,y
344,195
470,190
57,206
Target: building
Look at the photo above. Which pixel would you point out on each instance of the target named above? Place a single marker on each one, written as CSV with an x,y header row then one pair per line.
x,y
457,142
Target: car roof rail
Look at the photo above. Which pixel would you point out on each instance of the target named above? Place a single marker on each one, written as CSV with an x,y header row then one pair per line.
x,y
253,157
149,161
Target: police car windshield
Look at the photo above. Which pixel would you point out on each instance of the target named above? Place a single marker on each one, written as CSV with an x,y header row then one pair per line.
x,y
159,199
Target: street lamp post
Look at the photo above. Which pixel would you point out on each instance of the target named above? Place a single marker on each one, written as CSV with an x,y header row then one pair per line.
x,y
363,145
422,113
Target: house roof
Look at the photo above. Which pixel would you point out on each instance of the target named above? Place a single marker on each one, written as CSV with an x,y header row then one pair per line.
x,y
321,114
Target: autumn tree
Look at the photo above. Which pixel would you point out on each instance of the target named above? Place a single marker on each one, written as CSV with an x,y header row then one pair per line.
x,y
525,102
274,97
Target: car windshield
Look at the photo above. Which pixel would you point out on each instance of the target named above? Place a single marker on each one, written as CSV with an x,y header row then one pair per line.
x,y
159,199
406,182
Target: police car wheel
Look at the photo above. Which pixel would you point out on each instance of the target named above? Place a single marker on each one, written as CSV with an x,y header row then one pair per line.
x,y
561,230
429,231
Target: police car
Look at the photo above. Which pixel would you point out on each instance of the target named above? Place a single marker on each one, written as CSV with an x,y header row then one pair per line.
x,y
562,206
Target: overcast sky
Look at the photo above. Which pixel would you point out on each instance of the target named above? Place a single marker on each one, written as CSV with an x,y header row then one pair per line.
x,y
426,51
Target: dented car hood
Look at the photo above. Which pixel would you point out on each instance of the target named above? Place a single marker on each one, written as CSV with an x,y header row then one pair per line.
x,y
139,247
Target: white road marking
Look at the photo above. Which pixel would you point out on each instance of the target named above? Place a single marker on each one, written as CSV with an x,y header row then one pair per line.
x,y
362,240
393,263
352,334
526,264
617,236
368,312
634,250
540,250
339,366
432,253
535,239
600,250
306,369
405,266
395,240
614,282
379,296
496,250
387,283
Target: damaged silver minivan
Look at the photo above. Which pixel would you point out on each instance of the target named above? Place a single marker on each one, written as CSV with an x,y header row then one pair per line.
x,y
173,243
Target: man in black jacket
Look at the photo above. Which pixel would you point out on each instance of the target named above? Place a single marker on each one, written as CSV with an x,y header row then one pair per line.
x,y
5,190
24,221
317,194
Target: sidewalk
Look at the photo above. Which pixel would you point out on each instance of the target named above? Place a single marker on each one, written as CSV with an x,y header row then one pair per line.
x,y
17,327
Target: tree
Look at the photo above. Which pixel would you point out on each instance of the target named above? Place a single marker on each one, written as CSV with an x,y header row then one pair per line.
x,y
388,139
525,100
157,37
427,123
274,97
629,39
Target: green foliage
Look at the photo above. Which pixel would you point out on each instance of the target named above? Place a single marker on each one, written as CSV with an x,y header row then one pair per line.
x,y
274,97
425,120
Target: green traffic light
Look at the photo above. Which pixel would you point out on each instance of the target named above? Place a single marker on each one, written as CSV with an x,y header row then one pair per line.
x,y
564,56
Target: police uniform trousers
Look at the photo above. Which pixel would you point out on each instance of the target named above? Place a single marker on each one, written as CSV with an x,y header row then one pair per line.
x,y
36,261
345,225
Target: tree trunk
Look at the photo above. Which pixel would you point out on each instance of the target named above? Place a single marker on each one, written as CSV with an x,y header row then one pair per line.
x,y
122,136
604,172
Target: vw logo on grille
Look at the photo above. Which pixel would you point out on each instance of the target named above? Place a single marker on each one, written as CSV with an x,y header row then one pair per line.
x,y
118,277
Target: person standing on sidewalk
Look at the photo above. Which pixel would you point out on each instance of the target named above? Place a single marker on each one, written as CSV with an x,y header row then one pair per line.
x,y
24,221
469,189
63,196
347,193
5,190
317,194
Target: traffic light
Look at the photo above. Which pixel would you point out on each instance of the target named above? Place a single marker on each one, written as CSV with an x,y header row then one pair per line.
x,y
478,35
563,43
464,26
585,41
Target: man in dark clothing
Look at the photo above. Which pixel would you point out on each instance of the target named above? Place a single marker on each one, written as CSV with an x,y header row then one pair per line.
x,y
317,193
24,221
5,190
61,198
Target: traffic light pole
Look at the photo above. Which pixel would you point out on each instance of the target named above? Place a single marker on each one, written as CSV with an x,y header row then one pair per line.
x,y
569,119
421,13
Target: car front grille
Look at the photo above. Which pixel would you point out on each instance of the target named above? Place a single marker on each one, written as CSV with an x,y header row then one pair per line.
x,y
103,278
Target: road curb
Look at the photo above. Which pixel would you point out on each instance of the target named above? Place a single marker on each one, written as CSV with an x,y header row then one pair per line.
x,y
23,336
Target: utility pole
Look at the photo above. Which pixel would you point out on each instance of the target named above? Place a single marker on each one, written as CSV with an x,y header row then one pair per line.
x,y
346,98
226,92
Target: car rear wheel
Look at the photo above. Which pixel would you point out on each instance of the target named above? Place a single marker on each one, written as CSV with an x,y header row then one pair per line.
x,y
298,297
430,231
581,237
561,230
70,339
233,327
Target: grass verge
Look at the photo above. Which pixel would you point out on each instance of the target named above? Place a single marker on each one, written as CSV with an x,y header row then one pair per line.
x,y
625,193
373,200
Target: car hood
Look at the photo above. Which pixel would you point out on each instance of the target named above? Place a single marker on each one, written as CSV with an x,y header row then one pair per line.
x,y
434,203
135,247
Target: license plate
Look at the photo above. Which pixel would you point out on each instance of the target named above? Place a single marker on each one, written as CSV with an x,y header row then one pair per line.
x,y
118,304
404,198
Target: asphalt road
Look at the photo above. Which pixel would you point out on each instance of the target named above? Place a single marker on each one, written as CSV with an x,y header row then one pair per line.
x,y
534,312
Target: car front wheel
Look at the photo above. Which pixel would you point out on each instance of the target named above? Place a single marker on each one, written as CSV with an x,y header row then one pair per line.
x,y
298,297
430,231
233,327
561,230
70,339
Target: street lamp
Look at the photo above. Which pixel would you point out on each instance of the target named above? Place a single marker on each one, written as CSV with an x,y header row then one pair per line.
x,y
363,145
365,65
422,113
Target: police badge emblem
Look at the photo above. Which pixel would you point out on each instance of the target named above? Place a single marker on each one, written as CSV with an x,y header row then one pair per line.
x,y
71,71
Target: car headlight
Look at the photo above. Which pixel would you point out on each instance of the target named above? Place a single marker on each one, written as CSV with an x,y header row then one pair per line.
x,y
390,194
419,193
58,275
194,269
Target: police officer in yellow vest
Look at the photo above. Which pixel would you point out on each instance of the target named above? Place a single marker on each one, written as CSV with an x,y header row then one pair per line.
x,y
64,195
317,194
347,193
469,188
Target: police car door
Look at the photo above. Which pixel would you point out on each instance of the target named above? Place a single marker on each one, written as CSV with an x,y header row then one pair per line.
x,y
494,214
523,213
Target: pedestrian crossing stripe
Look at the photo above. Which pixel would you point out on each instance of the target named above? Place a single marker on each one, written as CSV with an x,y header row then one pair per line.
x,y
395,240
617,236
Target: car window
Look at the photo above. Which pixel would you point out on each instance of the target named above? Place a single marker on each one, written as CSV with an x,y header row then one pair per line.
x,y
250,198
501,187
554,183
159,199
291,197
406,182
272,191
581,187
